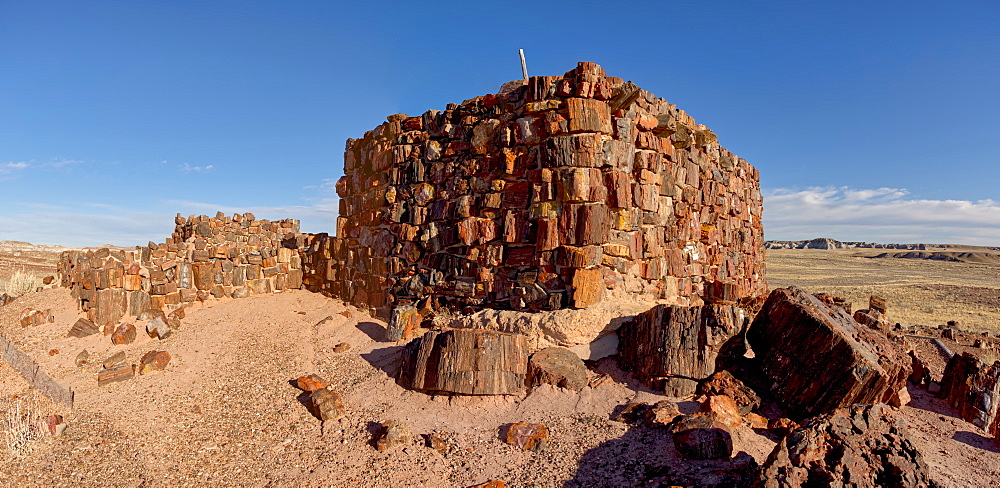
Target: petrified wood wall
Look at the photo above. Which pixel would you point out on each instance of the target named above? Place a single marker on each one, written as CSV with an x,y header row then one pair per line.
x,y
205,256
558,192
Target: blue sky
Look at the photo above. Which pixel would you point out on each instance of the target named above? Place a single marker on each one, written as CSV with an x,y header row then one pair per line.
x,y
871,121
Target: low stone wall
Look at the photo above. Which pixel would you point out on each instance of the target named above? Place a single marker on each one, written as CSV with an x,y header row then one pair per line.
x,y
204,257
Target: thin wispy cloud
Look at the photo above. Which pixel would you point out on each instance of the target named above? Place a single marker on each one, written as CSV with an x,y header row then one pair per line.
x,y
187,168
12,166
878,215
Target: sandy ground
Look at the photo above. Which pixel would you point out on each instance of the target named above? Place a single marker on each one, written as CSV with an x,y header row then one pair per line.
x,y
223,413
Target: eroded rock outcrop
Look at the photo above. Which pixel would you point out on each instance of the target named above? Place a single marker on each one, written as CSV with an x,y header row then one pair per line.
x,y
866,446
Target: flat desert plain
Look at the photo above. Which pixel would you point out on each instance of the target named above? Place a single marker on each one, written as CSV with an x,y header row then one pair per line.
x,y
917,291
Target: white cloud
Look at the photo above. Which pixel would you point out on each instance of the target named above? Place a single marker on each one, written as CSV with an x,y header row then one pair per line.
x,y
84,225
187,168
12,166
886,215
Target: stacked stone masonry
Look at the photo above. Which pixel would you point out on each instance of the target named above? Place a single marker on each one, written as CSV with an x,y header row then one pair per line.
x,y
204,257
556,192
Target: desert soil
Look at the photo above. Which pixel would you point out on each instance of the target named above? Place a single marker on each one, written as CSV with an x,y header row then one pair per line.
x,y
224,412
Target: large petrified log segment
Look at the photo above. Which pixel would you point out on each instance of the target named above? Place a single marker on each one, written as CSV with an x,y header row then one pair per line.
x,y
672,347
815,358
466,361
973,387
866,446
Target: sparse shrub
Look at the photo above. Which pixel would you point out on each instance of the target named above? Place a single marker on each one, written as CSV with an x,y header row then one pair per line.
x,y
21,282
22,426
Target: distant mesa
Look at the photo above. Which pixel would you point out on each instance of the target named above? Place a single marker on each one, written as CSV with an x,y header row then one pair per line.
x,y
827,243
957,257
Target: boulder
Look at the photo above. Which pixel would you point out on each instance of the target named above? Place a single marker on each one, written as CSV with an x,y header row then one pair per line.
x,y
465,361
973,388
702,436
310,383
557,366
865,446
670,348
153,361
124,334
857,364
403,321
724,408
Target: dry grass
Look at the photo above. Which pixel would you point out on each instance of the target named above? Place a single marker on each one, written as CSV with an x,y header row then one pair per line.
x,y
21,282
918,291
22,426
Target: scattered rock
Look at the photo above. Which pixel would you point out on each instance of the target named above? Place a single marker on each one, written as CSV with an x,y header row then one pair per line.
x,y
54,424
392,434
326,404
346,313
114,360
782,426
53,352
31,317
342,347
702,436
81,358
724,408
158,328
756,420
310,383
921,374
661,414
724,383
866,446
83,328
116,374
153,361
437,442
859,365
902,397
948,333
125,334
631,413
48,280
466,361
527,436
490,484
5,299
557,366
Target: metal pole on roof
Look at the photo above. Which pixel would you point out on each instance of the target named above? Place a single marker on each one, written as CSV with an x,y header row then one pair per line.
x,y
524,65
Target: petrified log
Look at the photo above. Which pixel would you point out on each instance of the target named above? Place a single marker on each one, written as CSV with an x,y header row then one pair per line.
x,y
867,445
702,436
672,348
466,361
403,320
83,328
973,387
111,306
118,373
814,358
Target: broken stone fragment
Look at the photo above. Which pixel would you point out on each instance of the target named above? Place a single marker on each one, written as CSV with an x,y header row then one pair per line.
x,y
724,383
403,321
724,408
527,436
972,386
30,317
54,424
116,374
490,484
702,436
437,442
83,328
782,426
114,360
81,358
158,328
756,421
661,414
557,366
124,334
393,433
342,347
326,404
310,383
153,361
